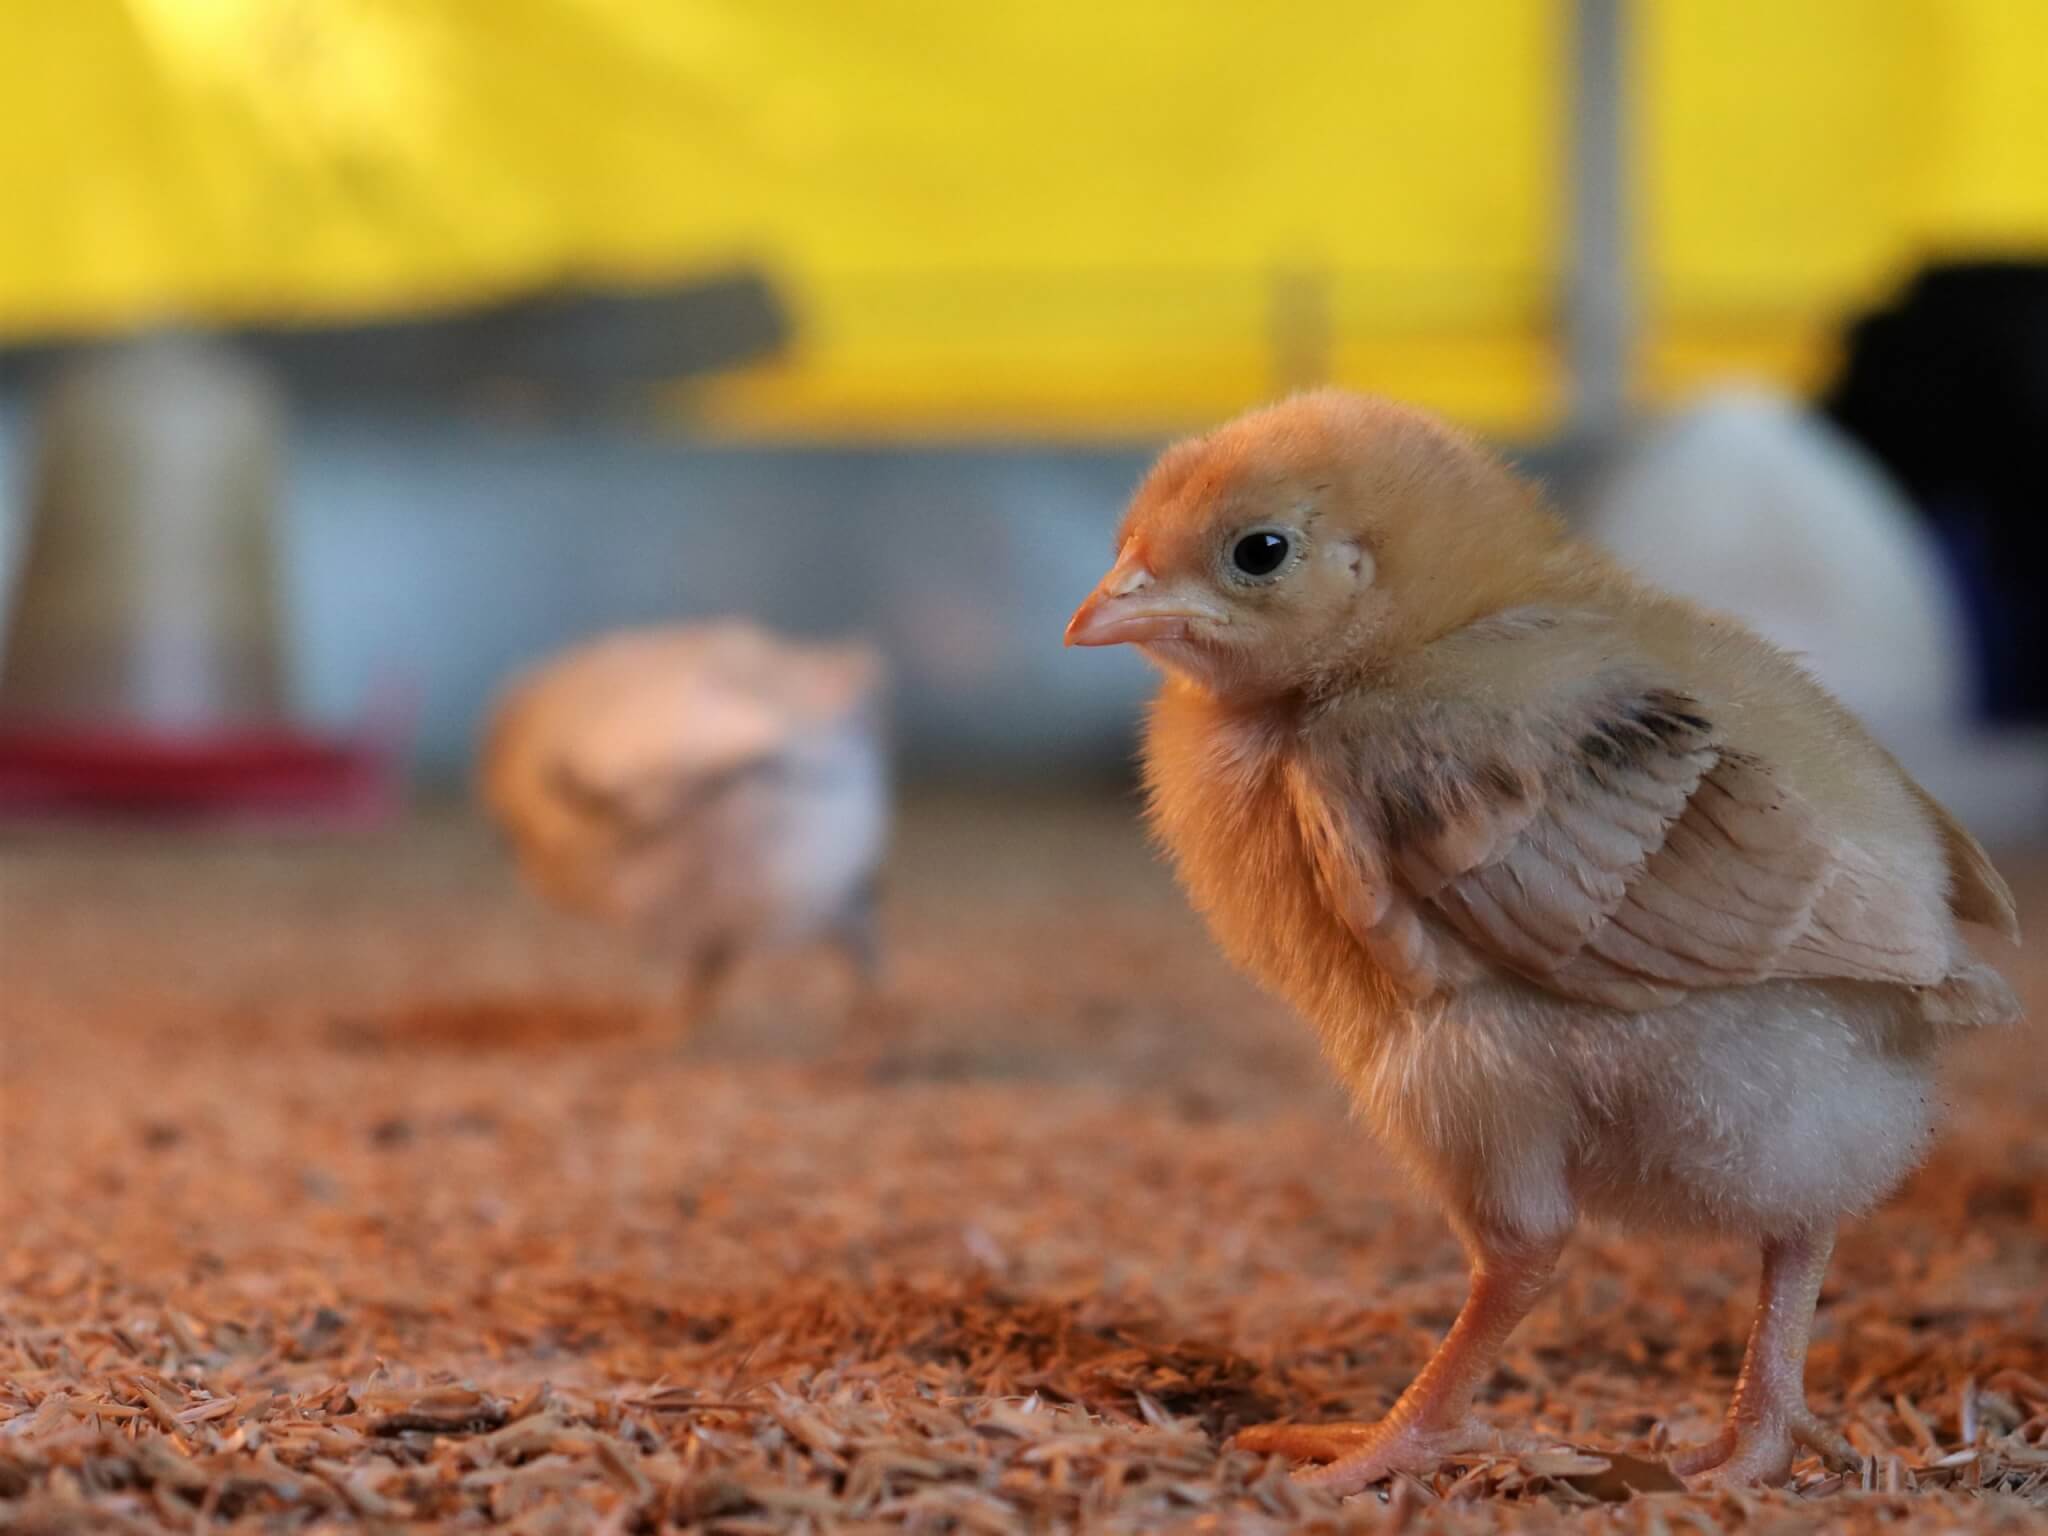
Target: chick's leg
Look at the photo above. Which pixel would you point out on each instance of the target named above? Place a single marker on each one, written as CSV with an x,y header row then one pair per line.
x,y
859,938
1433,1419
1768,1417
703,982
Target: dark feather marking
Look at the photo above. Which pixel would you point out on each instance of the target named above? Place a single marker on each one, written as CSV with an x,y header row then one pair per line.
x,y
1668,726
1602,747
1637,727
1408,812
1659,722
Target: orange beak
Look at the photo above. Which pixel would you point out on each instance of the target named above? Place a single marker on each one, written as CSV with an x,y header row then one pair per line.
x,y
1129,608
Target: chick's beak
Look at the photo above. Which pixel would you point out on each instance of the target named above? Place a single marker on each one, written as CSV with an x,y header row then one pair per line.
x,y
1129,608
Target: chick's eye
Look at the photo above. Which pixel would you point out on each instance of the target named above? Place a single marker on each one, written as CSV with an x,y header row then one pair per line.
x,y
1259,554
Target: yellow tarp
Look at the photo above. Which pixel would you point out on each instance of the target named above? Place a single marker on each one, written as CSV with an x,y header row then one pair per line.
x,y
1071,214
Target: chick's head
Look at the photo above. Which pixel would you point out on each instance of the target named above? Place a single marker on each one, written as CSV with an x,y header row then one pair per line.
x,y
1314,537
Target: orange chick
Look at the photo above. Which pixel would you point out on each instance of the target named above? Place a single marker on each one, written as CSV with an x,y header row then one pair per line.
x,y
1601,906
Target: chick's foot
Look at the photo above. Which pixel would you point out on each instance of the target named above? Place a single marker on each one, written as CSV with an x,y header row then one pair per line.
x,y
1761,1452
1769,1419
1359,1455
1433,1420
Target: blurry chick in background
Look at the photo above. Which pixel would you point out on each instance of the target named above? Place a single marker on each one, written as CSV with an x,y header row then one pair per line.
x,y
1748,502
712,789
1600,905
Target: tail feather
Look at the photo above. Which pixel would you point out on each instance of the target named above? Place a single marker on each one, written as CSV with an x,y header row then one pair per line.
x,y
1974,996
1977,891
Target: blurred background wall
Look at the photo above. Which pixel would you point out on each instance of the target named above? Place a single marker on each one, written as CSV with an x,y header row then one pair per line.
x,y
1109,219
1006,250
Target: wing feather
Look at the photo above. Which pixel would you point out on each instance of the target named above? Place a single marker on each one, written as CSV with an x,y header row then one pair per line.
x,y
1611,845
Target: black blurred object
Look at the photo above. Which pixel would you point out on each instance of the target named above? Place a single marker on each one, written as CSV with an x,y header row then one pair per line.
x,y
1947,387
569,349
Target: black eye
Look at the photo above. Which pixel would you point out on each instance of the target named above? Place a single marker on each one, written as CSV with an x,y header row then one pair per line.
x,y
1259,554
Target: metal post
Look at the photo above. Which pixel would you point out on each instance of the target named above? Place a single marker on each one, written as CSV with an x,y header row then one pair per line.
x,y
1599,299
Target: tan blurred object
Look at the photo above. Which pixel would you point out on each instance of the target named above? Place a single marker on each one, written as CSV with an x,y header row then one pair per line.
x,y
711,788
147,593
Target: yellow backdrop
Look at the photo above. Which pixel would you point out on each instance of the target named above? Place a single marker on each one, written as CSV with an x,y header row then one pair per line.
x,y
1072,215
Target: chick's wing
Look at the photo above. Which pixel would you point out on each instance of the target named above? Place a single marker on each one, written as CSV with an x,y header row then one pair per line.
x,y
1588,824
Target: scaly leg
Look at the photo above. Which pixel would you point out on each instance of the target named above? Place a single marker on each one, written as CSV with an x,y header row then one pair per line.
x,y
1768,1416
1433,1419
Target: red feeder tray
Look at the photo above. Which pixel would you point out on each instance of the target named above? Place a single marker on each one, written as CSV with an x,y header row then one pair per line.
x,y
251,771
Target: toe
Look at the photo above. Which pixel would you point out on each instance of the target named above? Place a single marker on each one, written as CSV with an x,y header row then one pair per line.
x,y
1691,1460
1360,1455
1351,1475
1825,1440
1371,1464
1389,1450
1761,1460
1305,1442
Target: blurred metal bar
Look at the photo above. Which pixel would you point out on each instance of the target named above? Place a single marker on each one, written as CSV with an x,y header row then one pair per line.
x,y
1599,296
573,348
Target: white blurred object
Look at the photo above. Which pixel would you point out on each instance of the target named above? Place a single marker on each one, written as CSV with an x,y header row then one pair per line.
x,y
711,788
1748,503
